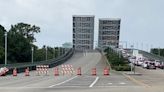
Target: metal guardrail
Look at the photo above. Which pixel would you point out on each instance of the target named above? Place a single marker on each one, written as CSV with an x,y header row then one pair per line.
x,y
151,56
52,62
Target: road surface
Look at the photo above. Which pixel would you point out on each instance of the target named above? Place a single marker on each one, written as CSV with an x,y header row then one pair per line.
x,y
115,82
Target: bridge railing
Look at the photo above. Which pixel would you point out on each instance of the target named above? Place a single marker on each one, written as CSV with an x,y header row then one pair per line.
x,y
152,56
51,62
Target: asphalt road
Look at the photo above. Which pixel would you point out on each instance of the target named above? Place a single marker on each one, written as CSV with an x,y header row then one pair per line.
x,y
115,82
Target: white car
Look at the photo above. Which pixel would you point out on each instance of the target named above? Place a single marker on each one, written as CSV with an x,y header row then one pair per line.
x,y
145,64
157,63
140,62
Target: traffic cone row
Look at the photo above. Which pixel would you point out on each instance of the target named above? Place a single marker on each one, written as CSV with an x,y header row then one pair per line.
x,y
56,71
27,72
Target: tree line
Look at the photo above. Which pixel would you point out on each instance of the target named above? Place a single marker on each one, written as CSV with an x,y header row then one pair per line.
x,y
20,39
157,51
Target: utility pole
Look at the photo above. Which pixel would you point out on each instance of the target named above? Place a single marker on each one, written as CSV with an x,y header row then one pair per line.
x,y
54,52
46,53
59,51
159,52
132,62
5,48
32,55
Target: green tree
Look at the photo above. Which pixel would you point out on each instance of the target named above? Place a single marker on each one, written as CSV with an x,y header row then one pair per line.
x,y
26,30
20,39
2,54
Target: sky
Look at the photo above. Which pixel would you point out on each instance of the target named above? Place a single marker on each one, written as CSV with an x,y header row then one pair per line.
x,y
142,21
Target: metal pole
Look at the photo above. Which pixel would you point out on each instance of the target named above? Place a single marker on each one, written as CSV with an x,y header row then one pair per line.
x,y
126,44
132,62
64,50
32,55
159,51
54,52
59,51
46,53
5,48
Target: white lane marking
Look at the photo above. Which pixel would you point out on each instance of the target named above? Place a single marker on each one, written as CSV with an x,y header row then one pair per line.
x,y
110,83
122,83
63,82
94,82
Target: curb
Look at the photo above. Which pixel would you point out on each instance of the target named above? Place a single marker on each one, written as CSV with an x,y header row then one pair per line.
x,y
136,81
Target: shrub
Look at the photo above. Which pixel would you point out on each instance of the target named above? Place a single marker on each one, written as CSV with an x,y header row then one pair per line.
x,y
122,68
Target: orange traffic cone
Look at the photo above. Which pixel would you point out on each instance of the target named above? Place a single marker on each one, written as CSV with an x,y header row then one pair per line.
x,y
79,71
56,71
94,71
27,72
14,72
106,71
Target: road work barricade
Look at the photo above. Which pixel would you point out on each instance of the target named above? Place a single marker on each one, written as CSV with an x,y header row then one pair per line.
x,y
67,69
42,69
27,72
94,71
15,72
3,71
79,71
56,71
106,71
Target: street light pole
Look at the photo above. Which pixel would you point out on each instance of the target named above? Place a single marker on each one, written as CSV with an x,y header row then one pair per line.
x,y
131,61
58,51
46,53
159,51
5,48
32,55
54,52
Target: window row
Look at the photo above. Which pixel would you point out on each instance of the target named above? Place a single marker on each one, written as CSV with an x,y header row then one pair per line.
x,y
110,22
109,32
82,25
82,30
110,27
83,18
109,37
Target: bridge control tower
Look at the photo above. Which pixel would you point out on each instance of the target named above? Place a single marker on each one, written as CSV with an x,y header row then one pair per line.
x,y
83,32
109,32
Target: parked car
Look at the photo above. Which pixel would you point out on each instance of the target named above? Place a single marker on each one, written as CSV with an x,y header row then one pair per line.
x,y
145,64
161,65
157,63
151,65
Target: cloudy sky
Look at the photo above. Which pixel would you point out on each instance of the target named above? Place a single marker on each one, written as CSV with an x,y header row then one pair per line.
x,y
142,21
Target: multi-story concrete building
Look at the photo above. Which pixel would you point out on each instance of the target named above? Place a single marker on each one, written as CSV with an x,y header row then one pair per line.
x,y
109,31
83,32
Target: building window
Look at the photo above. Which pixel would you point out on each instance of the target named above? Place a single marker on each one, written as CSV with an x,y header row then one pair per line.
x,y
73,18
73,30
73,35
73,41
73,24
